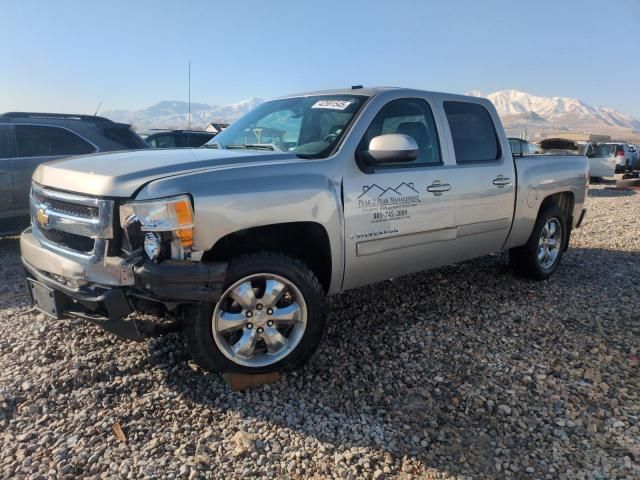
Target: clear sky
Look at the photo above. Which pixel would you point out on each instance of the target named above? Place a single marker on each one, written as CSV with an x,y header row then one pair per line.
x,y
69,55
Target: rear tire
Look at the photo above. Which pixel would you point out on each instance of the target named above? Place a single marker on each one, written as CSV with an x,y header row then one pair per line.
x,y
252,328
539,258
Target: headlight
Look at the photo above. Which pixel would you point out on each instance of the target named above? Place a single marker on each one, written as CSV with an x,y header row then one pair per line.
x,y
166,220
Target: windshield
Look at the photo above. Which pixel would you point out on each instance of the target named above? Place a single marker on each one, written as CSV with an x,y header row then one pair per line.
x,y
308,126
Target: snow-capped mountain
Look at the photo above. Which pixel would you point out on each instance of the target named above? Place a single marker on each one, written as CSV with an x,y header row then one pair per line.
x,y
525,111
520,112
174,114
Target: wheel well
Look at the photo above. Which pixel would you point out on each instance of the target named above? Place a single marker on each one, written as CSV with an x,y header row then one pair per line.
x,y
305,241
564,200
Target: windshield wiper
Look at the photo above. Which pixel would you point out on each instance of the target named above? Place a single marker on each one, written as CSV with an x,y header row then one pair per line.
x,y
215,145
256,146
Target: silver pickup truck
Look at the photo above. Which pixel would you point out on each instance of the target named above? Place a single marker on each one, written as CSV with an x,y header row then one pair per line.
x,y
240,242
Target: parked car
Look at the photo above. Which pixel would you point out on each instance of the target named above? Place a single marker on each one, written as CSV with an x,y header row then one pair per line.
x,y
522,147
602,161
242,241
179,138
29,139
624,157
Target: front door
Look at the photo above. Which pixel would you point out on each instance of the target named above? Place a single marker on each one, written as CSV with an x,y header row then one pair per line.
x,y
399,218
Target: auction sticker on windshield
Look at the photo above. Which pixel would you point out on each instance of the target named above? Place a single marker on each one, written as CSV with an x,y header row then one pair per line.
x,y
332,104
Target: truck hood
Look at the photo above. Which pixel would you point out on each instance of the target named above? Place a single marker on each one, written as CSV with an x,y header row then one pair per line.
x,y
121,174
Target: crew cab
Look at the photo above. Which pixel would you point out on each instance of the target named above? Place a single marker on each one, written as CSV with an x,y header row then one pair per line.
x,y
306,196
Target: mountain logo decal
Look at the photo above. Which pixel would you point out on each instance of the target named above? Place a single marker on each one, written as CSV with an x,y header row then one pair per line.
x,y
403,189
374,195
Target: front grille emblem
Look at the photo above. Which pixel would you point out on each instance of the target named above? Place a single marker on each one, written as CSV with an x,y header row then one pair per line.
x,y
42,217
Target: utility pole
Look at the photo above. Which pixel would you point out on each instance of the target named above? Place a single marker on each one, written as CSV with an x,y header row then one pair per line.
x,y
189,117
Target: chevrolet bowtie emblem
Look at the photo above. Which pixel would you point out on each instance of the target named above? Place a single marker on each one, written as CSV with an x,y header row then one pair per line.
x,y
42,217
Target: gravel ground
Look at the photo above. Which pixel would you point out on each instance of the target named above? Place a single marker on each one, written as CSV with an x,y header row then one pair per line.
x,y
466,371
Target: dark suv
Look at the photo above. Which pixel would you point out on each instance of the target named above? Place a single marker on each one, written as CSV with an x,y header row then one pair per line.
x,y
29,139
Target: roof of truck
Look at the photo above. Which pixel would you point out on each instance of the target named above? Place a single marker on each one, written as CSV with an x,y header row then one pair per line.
x,y
356,90
371,91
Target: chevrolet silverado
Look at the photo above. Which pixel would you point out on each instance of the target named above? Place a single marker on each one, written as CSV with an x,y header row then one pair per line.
x,y
239,242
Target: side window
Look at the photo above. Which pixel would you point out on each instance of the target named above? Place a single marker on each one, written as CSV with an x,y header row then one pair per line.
x,y
41,141
124,137
412,117
181,140
472,131
5,145
164,141
197,140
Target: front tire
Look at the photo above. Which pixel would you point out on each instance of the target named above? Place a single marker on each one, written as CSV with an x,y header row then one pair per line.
x,y
270,317
539,258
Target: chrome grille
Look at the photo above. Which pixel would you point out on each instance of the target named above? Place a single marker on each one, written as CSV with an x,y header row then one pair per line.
x,y
69,240
67,207
73,224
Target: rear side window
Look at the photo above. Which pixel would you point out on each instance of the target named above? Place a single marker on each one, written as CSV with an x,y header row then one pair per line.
x,y
199,140
473,133
44,141
412,117
123,136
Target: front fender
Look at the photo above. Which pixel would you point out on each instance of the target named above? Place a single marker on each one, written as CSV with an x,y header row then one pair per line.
x,y
238,199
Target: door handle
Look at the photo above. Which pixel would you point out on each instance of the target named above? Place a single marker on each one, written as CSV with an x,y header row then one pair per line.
x,y
3,172
438,188
501,181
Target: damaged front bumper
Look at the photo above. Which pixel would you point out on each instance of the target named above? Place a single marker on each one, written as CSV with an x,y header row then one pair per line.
x,y
107,292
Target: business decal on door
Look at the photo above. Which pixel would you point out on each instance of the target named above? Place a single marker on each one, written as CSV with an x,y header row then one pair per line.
x,y
390,203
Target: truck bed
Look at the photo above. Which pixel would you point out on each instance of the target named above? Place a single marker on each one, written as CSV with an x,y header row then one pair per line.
x,y
540,176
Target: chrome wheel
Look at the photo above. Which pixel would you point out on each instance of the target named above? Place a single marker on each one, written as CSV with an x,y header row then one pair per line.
x,y
549,243
259,320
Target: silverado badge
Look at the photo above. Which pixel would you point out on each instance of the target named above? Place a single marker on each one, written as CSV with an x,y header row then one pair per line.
x,y
42,217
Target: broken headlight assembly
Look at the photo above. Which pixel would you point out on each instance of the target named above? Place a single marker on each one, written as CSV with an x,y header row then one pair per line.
x,y
163,227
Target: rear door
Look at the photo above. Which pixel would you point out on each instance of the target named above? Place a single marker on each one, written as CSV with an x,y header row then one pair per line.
x,y
484,176
399,218
7,151
36,144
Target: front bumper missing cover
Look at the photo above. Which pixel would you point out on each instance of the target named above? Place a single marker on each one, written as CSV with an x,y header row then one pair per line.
x,y
168,283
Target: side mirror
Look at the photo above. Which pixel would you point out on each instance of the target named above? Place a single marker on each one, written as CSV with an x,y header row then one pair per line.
x,y
391,148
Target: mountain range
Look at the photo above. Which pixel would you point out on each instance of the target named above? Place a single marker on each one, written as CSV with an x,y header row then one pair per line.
x,y
521,113
174,114
537,116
